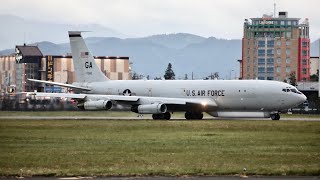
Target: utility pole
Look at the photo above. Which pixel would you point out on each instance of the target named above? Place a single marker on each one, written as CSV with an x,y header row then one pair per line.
x,y
230,73
274,9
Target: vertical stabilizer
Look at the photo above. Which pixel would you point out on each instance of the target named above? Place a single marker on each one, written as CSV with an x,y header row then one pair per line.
x,y
84,64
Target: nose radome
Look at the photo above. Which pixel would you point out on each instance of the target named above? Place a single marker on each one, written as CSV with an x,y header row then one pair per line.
x,y
304,98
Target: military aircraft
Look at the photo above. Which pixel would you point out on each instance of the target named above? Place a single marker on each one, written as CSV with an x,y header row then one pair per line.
x,y
219,98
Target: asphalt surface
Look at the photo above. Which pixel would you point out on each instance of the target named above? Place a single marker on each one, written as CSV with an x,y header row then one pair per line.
x,y
140,118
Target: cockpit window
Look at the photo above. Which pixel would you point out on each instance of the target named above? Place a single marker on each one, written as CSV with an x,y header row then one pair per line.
x,y
296,91
291,90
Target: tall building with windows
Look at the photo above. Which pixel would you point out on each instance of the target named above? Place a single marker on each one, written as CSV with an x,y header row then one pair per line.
x,y
275,47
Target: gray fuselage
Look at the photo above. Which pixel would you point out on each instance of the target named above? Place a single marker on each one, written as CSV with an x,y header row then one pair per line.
x,y
229,95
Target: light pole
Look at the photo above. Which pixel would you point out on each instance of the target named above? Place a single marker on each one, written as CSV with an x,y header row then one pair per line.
x,y
67,76
230,73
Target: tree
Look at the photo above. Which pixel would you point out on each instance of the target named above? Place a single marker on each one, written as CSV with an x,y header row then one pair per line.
x,y
292,78
169,74
315,77
186,77
212,76
135,76
216,75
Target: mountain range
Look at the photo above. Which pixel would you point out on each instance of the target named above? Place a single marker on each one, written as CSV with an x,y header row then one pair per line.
x,y
150,55
188,53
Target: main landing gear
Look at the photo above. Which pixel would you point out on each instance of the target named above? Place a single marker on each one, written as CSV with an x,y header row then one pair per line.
x,y
275,116
163,116
188,115
193,115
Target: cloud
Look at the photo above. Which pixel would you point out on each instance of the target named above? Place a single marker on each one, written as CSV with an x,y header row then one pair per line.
x,y
223,19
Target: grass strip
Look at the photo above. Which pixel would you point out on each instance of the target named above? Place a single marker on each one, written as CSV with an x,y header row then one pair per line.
x,y
166,148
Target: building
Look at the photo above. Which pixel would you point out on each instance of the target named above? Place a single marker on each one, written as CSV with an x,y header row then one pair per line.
x,y
314,65
7,72
28,66
29,62
114,67
275,47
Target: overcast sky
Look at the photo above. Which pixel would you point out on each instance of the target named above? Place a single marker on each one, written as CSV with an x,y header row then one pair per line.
x,y
218,18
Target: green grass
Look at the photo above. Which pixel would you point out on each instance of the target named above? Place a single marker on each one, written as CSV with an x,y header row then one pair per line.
x,y
146,147
300,115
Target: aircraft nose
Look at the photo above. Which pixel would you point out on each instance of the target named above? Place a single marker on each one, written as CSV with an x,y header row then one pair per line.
x,y
303,98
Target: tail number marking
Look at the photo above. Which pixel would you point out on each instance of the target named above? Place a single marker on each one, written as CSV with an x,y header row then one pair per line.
x,y
88,65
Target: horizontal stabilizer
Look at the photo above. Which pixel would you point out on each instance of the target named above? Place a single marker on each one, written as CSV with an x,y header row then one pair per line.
x,y
60,84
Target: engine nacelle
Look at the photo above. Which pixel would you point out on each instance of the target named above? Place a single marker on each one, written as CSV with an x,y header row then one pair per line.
x,y
150,109
97,105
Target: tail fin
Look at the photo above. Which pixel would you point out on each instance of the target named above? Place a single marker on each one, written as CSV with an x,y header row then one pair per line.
x,y
85,67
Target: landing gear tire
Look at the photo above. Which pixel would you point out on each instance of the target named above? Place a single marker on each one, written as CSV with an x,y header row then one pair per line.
x,y
155,116
193,115
167,116
164,116
188,115
275,116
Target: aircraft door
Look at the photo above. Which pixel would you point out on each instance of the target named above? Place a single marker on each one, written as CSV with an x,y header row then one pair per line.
x,y
247,98
149,92
282,99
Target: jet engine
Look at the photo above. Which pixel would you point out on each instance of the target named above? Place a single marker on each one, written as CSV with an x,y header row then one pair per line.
x,y
150,109
97,105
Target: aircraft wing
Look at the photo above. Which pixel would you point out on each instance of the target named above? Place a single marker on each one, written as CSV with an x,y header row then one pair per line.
x,y
60,84
135,100
59,95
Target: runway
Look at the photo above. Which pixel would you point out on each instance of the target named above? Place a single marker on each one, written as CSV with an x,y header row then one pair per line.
x,y
144,118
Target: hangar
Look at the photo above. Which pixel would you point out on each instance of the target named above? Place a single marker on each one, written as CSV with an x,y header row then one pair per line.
x,y
29,62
